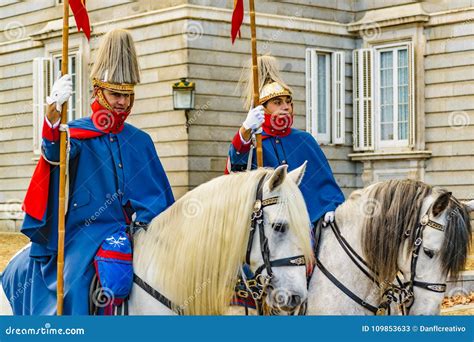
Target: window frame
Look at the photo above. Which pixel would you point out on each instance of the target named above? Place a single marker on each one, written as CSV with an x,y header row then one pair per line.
x,y
394,48
332,86
78,47
77,89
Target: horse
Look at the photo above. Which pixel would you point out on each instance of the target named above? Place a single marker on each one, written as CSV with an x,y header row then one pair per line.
x,y
190,257
392,246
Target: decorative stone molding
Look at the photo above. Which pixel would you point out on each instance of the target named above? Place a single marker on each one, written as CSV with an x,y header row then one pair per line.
x,y
391,16
421,155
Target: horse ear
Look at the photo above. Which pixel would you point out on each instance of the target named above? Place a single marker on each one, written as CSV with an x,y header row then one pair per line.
x,y
278,177
297,174
441,203
469,206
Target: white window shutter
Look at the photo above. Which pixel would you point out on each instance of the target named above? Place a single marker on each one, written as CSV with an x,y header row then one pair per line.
x,y
79,87
42,80
411,97
314,92
338,108
363,102
309,99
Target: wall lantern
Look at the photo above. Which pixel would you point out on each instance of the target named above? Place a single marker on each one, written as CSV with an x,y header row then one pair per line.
x,y
183,94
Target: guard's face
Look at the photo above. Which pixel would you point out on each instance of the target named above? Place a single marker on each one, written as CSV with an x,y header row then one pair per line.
x,y
119,102
281,105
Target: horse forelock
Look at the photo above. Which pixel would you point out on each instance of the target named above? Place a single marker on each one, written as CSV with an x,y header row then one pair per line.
x,y
399,204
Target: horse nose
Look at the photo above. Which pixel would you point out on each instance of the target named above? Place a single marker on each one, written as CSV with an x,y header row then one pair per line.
x,y
294,301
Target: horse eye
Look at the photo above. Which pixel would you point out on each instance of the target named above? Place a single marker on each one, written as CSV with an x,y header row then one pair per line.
x,y
280,227
429,253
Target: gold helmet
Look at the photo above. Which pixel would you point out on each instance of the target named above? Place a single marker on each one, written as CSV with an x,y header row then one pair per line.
x,y
270,81
271,90
116,67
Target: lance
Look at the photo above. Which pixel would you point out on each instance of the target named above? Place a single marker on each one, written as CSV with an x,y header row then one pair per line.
x,y
62,169
256,96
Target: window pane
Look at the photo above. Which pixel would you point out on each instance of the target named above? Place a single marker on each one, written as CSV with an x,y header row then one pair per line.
x,y
322,94
71,104
386,95
402,94
387,131
72,101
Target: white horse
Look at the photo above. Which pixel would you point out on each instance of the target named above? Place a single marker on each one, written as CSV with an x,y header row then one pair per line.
x,y
192,253
394,226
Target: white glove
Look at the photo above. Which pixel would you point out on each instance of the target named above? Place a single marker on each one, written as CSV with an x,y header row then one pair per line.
x,y
255,118
329,217
61,91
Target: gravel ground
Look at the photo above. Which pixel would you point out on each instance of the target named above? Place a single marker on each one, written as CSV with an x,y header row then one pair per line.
x,y
10,243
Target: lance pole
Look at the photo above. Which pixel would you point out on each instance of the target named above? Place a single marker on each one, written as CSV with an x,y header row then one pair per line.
x,y
62,168
256,89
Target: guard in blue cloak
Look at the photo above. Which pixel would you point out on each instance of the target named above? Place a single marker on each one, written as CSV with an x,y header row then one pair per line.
x,y
283,144
115,176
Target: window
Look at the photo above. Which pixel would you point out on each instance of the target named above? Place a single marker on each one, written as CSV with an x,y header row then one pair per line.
x,y
393,89
383,98
73,110
45,71
325,105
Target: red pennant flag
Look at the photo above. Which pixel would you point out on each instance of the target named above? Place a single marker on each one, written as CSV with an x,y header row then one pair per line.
x,y
79,10
237,18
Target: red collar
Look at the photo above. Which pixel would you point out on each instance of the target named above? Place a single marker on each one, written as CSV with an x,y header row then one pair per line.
x,y
277,125
106,120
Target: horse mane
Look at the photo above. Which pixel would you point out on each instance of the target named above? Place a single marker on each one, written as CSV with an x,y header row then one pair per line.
x,y
398,209
458,237
192,252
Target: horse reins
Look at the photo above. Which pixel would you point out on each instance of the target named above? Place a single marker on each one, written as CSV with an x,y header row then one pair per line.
x,y
256,285
405,290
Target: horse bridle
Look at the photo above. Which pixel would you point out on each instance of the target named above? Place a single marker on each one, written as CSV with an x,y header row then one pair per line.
x,y
255,285
404,289
408,301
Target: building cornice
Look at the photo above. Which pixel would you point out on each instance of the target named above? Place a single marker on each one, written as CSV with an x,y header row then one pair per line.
x,y
391,16
390,155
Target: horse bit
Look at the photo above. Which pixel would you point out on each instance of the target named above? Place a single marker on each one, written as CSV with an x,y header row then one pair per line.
x,y
404,290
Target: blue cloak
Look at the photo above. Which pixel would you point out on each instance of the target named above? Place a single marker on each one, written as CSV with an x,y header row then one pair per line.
x,y
107,173
319,188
